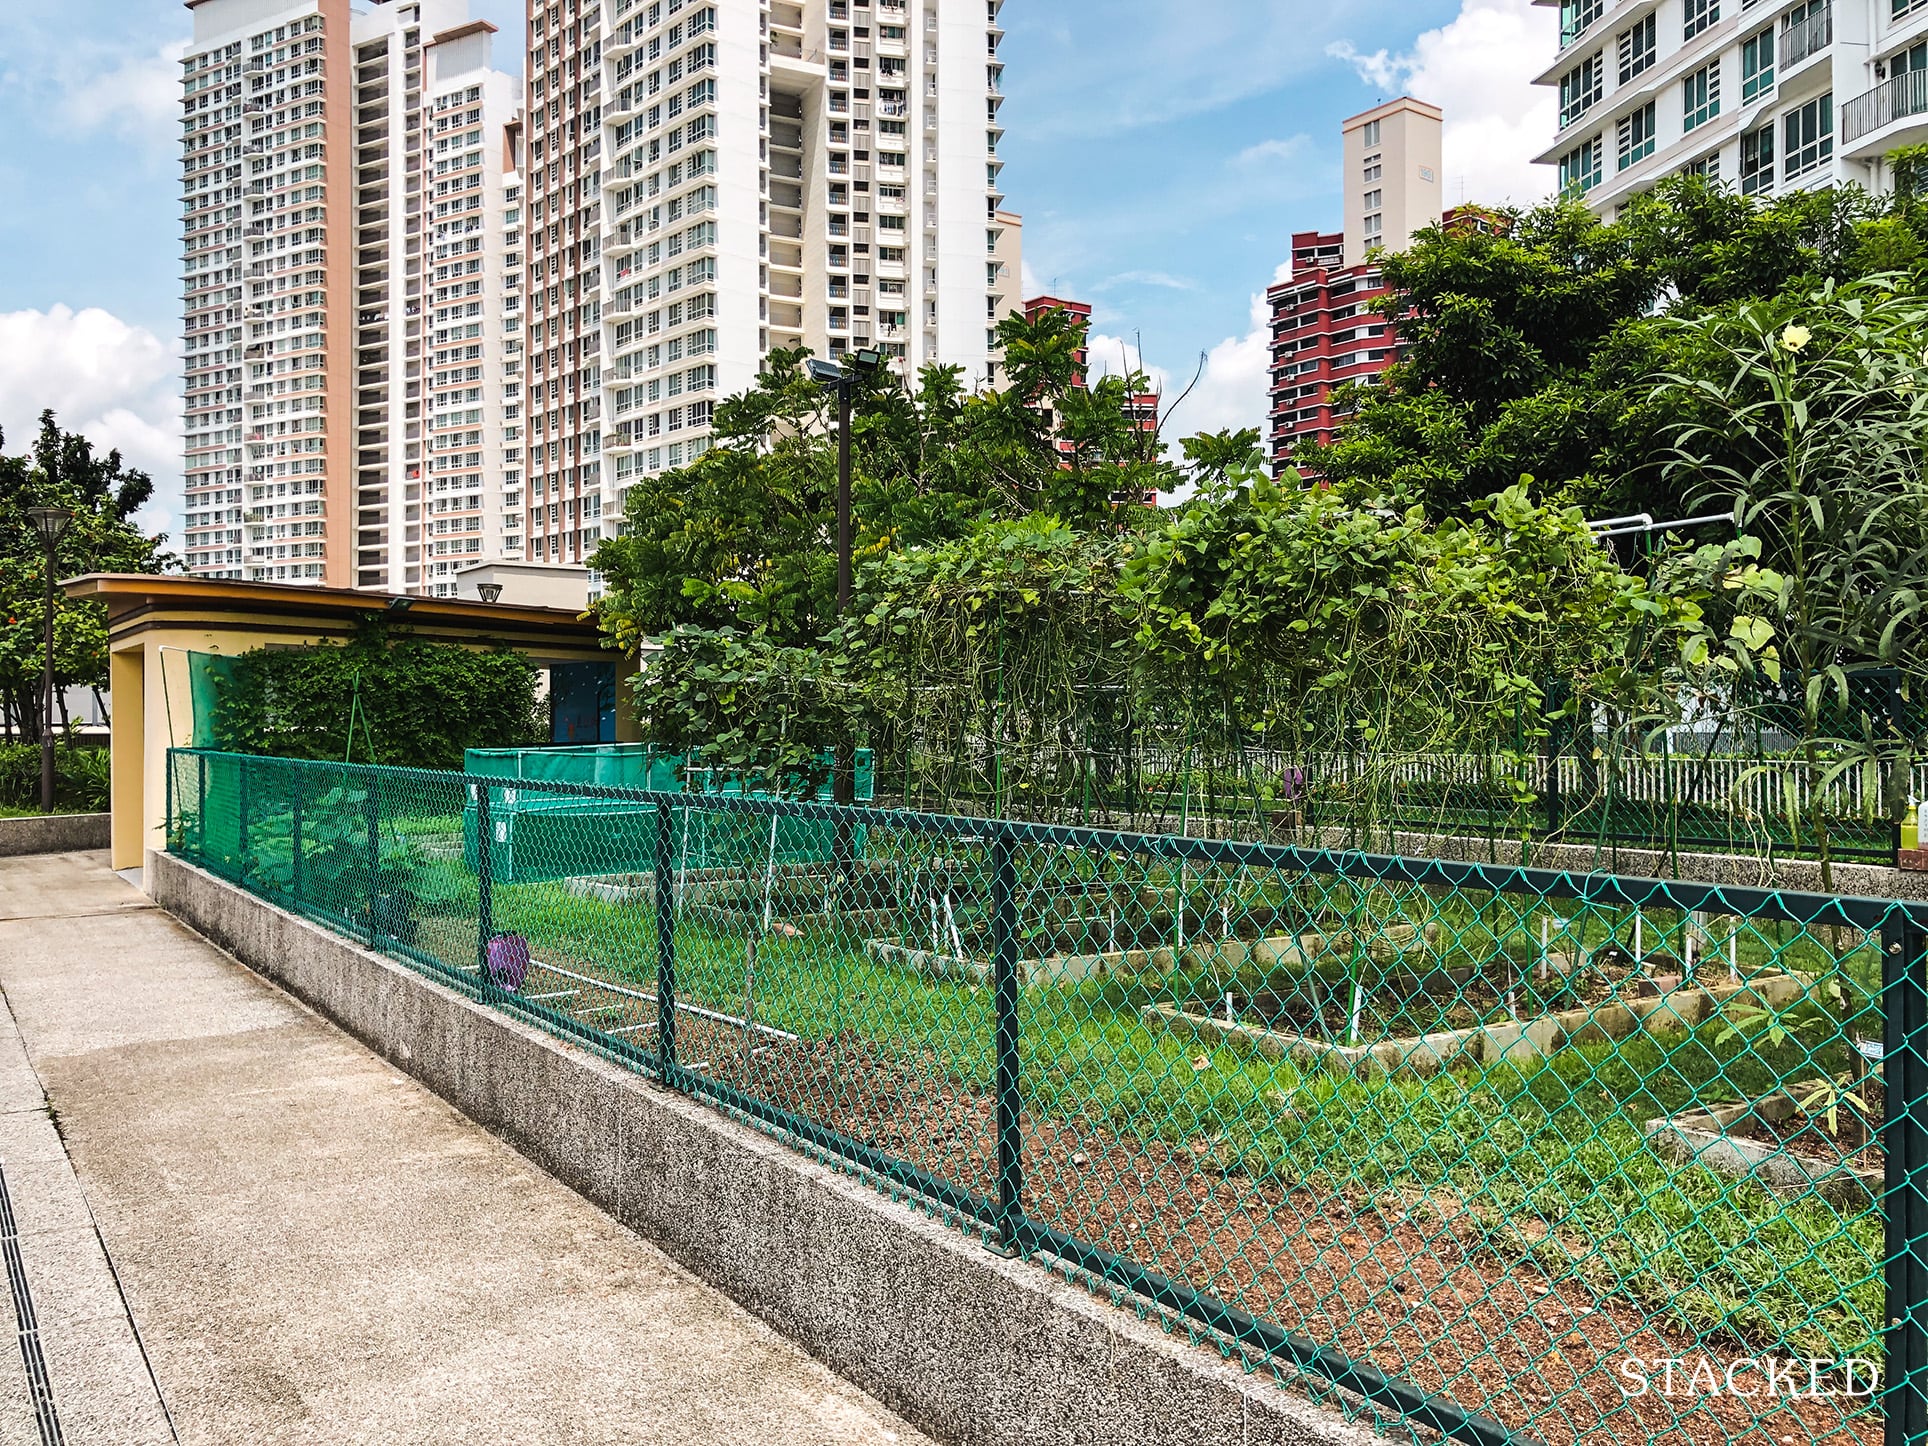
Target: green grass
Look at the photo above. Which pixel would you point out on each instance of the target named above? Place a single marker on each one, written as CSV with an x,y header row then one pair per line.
x,y
1549,1163
1559,1146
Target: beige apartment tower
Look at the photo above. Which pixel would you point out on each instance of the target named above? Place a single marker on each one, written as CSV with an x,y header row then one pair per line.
x,y
710,181
311,210
1392,171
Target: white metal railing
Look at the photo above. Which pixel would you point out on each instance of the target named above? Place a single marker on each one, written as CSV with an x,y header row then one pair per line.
x,y
1896,97
1747,787
1809,37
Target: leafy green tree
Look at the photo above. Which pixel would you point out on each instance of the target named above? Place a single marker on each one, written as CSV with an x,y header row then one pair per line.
x,y
731,561
1810,429
1531,348
383,697
63,470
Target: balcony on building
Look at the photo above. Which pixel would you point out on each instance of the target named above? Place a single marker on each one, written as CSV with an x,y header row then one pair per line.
x,y
1804,41
1892,115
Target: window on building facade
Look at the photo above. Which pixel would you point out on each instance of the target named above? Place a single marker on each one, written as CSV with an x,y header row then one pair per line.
x,y
1757,161
1697,15
1580,168
1637,135
1807,136
1636,49
1577,17
1580,88
1700,97
1757,65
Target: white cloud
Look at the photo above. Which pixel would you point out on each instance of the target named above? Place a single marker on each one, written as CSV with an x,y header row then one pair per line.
x,y
1147,278
1114,356
140,97
115,383
1478,69
1291,149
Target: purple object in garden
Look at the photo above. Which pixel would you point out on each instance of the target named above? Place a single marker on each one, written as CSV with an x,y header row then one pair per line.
x,y
508,957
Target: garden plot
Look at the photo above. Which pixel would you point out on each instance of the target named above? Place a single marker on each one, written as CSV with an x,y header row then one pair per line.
x,y
796,893
1093,930
1816,1135
1393,1004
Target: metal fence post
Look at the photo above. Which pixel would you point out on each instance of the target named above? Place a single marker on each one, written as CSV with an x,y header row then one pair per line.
x,y
665,940
295,863
201,806
1904,1139
167,783
1553,749
372,816
1004,977
241,816
484,883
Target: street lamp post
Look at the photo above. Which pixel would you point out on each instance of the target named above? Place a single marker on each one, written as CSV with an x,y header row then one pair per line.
x,y
859,366
50,523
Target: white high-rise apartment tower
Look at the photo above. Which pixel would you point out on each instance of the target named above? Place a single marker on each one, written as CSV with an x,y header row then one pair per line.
x,y
312,209
1766,95
711,180
472,502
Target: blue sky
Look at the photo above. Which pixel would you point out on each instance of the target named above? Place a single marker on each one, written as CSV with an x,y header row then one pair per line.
x,y
1161,155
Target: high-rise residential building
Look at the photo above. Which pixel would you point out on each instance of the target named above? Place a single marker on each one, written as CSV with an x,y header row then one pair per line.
x,y
1141,408
309,207
471,508
709,182
1080,314
1004,275
1324,332
1764,95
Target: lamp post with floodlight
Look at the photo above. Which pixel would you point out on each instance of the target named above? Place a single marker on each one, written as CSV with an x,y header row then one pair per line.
x,y
859,368
51,523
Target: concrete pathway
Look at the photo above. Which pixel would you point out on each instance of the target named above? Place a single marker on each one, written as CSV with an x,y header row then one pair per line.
x,y
238,1225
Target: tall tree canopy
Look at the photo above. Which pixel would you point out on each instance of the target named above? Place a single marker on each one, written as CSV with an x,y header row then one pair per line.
x,y
1532,349
63,470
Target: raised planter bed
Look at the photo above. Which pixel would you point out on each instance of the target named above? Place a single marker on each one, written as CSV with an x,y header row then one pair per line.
x,y
1147,950
614,888
1383,946
732,896
1798,1162
1679,1007
1048,969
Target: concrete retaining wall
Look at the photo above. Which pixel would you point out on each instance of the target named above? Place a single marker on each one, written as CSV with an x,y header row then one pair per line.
x,y
55,833
970,1347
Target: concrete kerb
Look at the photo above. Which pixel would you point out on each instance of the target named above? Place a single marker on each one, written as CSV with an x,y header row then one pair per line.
x,y
968,1346
55,833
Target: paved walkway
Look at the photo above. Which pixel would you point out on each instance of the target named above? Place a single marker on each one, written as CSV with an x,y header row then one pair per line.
x,y
238,1225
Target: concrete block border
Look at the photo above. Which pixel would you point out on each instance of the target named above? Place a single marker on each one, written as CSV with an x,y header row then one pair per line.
x,y
972,1348
55,833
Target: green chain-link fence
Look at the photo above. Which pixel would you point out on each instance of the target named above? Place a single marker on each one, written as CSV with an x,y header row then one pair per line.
x,y
1502,1154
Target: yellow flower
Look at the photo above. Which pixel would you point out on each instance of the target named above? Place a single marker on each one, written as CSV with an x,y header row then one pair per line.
x,y
1796,337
